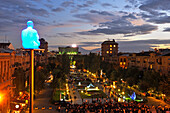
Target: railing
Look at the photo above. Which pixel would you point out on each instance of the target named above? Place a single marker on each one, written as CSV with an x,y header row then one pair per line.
x,y
5,84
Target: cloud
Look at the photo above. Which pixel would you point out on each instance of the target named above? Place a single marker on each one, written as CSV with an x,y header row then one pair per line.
x,y
87,33
132,1
160,20
38,12
156,5
122,26
93,17
166,30
131,16
101,12
66,35
108,5
67,3
128,6
85,44
139,45
83,5
59,9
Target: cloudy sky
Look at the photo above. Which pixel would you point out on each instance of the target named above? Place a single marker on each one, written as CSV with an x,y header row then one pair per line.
x,y
135,24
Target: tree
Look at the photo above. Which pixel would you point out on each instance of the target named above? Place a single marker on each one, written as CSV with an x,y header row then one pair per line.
x,y
132,76
59,78
19,81
65,64
164,86
151,79
92,62
39,79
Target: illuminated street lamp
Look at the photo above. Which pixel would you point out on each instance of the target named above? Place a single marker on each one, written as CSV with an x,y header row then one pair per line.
x,y
17,106
1,97
74,45
123,93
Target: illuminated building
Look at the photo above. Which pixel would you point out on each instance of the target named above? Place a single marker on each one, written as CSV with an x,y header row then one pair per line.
x,y
71,52
150,60
10,60
123,61
5,81
44,45
109,51
68,50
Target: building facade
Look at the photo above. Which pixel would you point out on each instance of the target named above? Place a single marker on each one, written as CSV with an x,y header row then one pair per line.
x,y
68,50
6,84
109,51
44,45
11,60
151,60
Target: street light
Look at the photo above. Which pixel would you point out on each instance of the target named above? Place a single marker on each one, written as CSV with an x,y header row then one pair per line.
x,y
0,97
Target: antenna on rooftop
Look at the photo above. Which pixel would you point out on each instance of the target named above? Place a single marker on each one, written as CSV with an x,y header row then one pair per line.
x,y
5,37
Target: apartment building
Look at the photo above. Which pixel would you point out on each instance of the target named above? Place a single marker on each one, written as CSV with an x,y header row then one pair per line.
x,y
109,51
150,60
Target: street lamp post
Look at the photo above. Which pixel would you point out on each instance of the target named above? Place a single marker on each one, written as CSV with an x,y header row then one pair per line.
x,y
31,80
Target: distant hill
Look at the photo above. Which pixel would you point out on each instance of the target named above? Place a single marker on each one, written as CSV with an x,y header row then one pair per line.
x,y
84,51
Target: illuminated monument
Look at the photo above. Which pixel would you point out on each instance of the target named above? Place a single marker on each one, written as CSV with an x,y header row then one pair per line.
x,y
30,37
133,96
30,42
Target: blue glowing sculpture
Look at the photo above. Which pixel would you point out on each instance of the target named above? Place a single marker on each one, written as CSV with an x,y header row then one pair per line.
x,y
30,37
133,96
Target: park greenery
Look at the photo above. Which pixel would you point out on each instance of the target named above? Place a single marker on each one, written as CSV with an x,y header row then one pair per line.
x,y
40,75
145,80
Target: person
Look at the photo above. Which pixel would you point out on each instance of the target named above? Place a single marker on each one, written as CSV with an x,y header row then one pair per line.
x,y
30,37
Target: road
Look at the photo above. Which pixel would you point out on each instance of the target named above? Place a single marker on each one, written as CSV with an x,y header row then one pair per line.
x,y
78,99
42,102
156,102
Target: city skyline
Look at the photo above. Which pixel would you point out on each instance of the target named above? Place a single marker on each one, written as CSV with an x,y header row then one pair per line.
x,y
135,24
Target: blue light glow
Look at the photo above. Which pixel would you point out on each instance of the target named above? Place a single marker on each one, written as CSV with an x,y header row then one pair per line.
x,y
30,37
133,96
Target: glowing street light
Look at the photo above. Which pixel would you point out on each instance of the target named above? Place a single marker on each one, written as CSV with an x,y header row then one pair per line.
x,y
1,97
74,45
123,93
17,106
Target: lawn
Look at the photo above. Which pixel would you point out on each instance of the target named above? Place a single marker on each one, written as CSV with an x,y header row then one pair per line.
x,y
99,94
56,95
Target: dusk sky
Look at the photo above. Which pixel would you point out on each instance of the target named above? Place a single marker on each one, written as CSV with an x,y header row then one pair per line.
x,y
135,24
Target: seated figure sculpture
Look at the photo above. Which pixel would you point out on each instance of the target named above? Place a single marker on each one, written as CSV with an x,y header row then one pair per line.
x,y
30,37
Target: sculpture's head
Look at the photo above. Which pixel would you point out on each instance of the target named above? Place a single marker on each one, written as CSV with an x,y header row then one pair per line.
x,y
30,24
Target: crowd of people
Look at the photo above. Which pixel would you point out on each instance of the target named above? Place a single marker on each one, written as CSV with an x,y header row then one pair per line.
x,y
112,107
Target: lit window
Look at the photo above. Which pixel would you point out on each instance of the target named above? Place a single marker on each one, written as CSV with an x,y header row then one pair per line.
x,y
110,45
107,52
114,45
110,51
150,66
120,63
110,48
124,63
